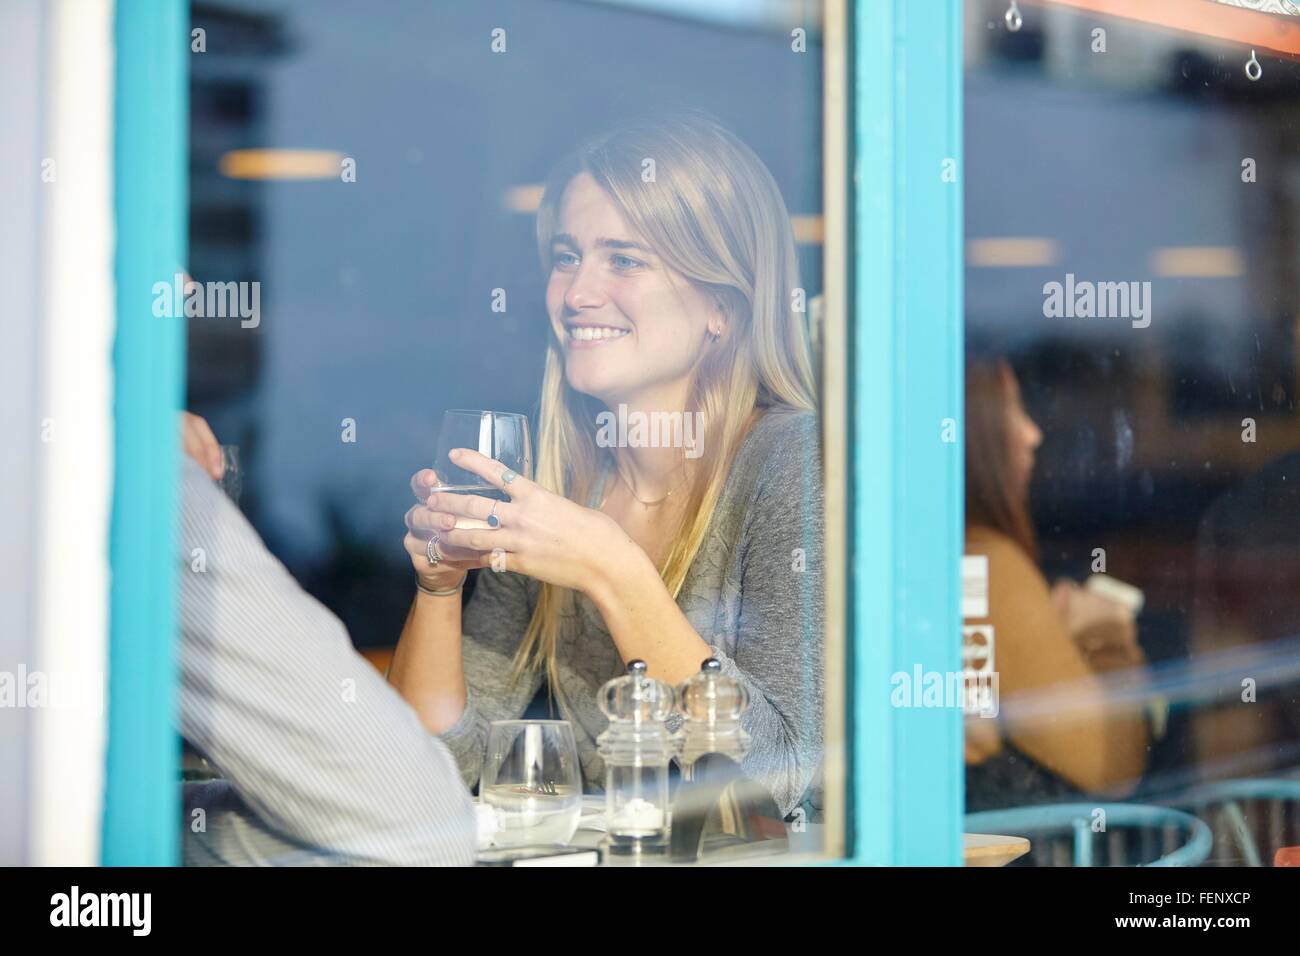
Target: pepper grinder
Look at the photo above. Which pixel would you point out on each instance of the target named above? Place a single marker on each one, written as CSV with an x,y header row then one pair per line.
x,y
637,748
711,707
718,811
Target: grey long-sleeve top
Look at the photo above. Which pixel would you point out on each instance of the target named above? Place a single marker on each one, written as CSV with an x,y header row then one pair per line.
x,y
324,762
754,592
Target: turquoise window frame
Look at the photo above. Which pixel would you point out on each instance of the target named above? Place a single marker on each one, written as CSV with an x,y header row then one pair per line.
x,y
905,768
150,206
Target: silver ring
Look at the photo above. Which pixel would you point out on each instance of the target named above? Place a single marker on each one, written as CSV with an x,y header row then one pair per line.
x,y
492,519
431,551
509,476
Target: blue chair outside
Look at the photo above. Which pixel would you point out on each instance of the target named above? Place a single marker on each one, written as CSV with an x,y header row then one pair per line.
x,y
1183,839
1245,814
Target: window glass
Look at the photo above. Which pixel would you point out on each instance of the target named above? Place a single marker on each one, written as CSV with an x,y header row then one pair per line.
x,y
376,174
1132,430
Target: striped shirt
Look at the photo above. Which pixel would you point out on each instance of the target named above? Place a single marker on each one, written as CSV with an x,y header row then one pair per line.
x,y
323,761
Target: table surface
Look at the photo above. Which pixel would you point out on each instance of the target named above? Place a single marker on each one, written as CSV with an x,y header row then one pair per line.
x,y
978,849
991,849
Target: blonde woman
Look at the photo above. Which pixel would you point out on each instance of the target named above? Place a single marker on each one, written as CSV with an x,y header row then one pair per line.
x,y
671,293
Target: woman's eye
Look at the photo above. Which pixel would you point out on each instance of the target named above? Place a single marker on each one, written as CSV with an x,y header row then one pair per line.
x,y
623,263
565,260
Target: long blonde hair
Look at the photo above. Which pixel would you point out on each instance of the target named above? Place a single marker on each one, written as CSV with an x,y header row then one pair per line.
x,y
713,213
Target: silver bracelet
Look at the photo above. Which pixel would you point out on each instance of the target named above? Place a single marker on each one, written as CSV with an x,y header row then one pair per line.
x,y
447,593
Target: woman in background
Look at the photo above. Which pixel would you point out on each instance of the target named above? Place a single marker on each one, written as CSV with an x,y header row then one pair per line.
x,y
1057,734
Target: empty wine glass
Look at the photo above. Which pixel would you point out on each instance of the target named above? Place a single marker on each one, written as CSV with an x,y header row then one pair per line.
x,y
503,436
532,781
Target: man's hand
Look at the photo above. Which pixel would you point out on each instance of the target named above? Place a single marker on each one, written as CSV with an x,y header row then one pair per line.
x,y
201,445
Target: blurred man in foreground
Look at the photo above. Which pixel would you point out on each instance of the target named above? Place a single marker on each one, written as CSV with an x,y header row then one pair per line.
x,y
323,761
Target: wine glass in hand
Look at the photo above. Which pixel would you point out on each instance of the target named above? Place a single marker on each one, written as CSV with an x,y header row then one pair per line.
x,y
500,435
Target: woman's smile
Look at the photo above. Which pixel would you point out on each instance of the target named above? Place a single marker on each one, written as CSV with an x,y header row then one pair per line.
x,y
609,284
592,336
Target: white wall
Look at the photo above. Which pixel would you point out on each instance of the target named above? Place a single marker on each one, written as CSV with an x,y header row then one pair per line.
x,y
56,89
21,24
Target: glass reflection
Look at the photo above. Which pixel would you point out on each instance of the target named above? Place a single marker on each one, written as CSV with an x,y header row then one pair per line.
x,y
1131,217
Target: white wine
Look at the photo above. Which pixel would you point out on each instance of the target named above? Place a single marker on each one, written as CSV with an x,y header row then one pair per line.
x,y
526,817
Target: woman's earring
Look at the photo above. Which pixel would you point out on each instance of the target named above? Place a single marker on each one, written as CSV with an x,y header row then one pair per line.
x,y
714,336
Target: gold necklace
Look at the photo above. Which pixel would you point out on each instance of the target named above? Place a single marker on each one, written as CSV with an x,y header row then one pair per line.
x,y
649,504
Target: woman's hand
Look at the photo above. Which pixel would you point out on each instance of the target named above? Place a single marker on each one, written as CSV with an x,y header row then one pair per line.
x,y
201,445
422,523
538,533
983,739
1103,629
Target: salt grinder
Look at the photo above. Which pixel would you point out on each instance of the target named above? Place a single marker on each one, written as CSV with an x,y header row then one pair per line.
x,y
637,748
